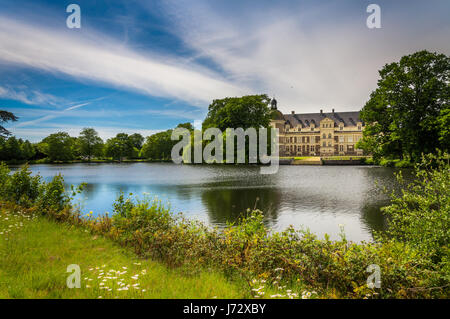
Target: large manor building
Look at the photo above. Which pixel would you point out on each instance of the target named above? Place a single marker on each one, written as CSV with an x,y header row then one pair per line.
x,y
317,134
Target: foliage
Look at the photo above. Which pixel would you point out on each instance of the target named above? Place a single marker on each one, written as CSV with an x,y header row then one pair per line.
x,y
90,143
6,116
239,112
136,140
421,214
13,149
58,147
408,114
158,146
119,147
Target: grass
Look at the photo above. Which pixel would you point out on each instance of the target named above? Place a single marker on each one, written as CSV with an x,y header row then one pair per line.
x,y
35,253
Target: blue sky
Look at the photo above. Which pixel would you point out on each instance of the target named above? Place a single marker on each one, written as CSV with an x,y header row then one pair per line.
x,y
145,66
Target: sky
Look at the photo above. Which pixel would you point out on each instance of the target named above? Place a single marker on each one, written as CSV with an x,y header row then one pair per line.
x,y
146,66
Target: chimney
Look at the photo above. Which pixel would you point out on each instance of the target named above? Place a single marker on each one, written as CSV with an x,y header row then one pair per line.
x,y
332,110
293,112
321,112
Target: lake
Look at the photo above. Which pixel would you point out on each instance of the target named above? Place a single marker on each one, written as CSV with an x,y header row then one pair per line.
x,y
316,197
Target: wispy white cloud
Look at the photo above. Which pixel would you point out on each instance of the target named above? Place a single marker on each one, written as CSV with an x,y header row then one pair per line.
x,y
99,58
33,97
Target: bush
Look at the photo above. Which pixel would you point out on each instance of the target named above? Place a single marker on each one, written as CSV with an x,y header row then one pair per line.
x,y
421,214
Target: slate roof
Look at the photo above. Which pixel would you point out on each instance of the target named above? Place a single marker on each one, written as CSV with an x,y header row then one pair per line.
x,y
305,120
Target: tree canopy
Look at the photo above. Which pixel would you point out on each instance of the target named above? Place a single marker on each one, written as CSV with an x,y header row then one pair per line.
x,y
234,112
408,114
90,143
58,146
6,116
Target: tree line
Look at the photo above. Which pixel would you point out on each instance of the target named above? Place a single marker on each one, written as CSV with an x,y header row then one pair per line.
x,y
61,147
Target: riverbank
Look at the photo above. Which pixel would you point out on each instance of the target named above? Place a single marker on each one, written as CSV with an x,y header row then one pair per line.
x,y
36,251
412,260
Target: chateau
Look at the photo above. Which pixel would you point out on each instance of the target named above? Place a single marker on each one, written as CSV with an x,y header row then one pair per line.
x,y
317,134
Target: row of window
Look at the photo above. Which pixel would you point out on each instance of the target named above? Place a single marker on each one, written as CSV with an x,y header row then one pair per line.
x,y
308,139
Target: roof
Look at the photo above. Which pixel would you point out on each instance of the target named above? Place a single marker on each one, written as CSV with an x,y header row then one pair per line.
x,y
306,119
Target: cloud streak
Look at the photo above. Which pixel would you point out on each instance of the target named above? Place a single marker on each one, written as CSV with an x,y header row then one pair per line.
x,y
99,58
33,98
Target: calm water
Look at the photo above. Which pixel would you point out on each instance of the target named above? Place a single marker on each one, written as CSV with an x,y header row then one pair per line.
x,y
317,197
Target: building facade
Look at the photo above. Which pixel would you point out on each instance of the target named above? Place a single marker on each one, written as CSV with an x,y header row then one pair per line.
x,y
318,134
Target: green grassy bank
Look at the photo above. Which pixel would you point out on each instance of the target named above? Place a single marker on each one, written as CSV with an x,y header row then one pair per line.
x,y
35,253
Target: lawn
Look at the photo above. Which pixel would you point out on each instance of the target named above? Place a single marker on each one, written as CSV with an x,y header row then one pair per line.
x,y
35,253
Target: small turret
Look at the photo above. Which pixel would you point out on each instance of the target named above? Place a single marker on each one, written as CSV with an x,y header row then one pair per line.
x,y
273,104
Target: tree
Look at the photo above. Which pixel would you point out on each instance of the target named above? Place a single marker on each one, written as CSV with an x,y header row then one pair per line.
x,y
6,117
137,140
187,126
234,112
90,143
58,146
28,150
13,148
158,146
119,147
405,115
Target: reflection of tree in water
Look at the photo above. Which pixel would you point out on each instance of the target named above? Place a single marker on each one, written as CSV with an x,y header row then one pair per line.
x,y
381,177
227,204
373,217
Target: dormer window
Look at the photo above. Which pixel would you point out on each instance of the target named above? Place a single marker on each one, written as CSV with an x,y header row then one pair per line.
x,y
359,127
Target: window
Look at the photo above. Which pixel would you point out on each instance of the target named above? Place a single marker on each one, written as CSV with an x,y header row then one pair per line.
x,y
359,127
341,148
312,128
329,135
350,139
341,139
329,144
341,128
312,148
324,135
324,144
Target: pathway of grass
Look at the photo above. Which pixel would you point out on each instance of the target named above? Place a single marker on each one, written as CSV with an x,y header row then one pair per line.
x,y
35,253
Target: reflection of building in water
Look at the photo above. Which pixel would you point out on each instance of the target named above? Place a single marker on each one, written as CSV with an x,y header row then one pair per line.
x,y
317,134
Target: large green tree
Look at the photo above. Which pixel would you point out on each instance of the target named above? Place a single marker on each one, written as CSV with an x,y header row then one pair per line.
x,y
90,143
119,147
158,146
408,114
58,146
137,140
234,112
6,116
